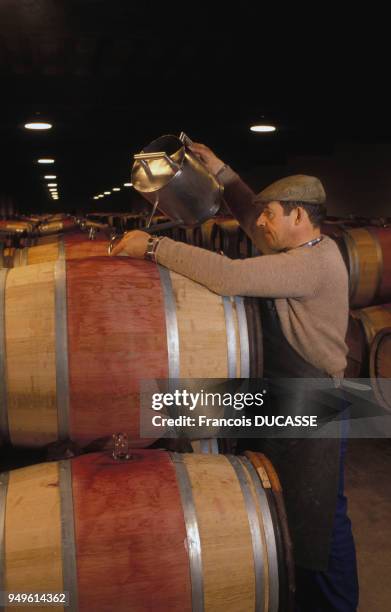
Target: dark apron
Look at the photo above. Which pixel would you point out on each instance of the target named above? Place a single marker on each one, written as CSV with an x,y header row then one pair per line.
x,y
308,468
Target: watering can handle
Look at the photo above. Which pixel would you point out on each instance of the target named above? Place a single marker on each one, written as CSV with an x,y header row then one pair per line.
x,y
145,157
185,139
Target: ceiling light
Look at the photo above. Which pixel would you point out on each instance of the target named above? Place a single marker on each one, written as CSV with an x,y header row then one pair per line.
x,y
263,128
46,160
128,184
38,125
116,188
49,177
96,197
52,184
107,192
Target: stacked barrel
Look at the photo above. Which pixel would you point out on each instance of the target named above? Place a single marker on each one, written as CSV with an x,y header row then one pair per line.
x,y
367,254
152,529
78,332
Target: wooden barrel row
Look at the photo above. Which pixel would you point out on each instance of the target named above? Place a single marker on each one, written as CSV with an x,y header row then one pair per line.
x,y
15,227
366,251
78,335
40,228
73,245
222,236
161,531
123,222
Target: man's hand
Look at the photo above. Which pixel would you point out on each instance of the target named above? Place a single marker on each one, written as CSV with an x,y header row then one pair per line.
x,y
213,163
134,244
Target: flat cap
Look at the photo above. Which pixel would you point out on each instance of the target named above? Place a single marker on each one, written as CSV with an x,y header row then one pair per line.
x,y
295,188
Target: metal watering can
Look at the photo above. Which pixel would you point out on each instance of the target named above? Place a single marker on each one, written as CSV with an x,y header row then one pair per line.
x,y
173,179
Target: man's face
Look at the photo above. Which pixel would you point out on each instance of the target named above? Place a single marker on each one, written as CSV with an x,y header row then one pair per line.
x,y
277,227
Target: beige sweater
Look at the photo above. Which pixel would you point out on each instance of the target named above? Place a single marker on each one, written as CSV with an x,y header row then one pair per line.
x,y
310,285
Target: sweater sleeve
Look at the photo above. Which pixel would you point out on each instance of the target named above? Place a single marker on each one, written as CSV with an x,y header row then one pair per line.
x,y
282,275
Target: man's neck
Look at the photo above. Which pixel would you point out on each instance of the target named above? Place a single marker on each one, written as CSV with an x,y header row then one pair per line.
x,y
305,237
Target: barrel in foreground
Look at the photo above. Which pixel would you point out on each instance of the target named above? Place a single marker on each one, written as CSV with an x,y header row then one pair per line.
x,y
160,532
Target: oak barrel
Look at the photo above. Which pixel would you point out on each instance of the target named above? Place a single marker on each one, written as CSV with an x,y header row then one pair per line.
x,y
367,254
77,336
380,367
161,531
373,319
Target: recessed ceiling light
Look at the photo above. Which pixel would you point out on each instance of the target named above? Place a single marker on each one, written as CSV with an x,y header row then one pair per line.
x,y
49,177
107,192
116,188
128,184
46,160
263,128
52,184
96,197
38,125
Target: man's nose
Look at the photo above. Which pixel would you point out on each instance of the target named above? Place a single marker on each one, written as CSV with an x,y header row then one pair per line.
x,y
261,220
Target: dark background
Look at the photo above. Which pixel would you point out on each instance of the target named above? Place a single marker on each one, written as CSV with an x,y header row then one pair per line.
x,y
112,76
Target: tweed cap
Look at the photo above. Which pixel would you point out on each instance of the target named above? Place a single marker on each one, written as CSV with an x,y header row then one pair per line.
x,y
295,188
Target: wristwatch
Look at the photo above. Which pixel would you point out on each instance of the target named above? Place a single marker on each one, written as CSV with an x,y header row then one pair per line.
x,y
150,253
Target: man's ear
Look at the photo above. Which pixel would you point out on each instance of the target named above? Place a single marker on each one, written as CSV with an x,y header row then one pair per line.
x,y
299,215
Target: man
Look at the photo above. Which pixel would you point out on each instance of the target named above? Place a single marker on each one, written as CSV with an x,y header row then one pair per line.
x,y
304,289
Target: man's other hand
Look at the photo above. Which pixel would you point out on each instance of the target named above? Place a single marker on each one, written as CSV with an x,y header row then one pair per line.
x,y
134,244
206,155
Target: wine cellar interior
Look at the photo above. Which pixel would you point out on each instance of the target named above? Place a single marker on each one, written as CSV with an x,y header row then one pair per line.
x,y
140,145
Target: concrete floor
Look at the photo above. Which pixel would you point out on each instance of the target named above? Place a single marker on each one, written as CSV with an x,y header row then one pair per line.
x,y
368,488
